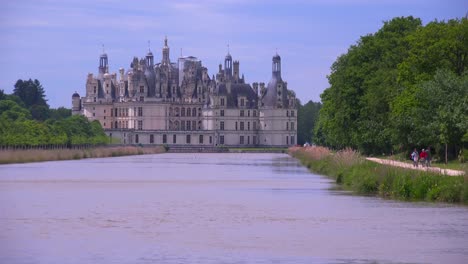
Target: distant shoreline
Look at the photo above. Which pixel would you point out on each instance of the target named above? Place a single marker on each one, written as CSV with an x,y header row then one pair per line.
x,y
39,155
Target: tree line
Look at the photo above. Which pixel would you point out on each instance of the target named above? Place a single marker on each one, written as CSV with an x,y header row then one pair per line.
x,y
402,87
26,120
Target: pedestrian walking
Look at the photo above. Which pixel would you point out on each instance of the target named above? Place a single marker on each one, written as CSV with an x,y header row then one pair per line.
x,y
428,157
422,157
415,157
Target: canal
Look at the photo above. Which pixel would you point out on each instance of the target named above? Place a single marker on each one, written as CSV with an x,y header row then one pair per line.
x,y
211,208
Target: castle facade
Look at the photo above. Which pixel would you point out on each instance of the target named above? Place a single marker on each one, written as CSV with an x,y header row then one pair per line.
x,y
178,103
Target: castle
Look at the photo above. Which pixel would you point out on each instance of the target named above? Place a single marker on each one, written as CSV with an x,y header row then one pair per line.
x,y
179,104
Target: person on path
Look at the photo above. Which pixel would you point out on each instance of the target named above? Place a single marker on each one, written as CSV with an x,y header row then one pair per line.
x,y
428,157
422,157
415,157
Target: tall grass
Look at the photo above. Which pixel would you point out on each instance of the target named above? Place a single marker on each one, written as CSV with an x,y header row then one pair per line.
x,y
35,155
353,172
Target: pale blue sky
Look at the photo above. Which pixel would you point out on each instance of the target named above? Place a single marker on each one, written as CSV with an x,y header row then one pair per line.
x,y
59,42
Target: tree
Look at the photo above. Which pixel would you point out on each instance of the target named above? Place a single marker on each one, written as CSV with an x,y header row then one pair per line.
x,y
307,116
443,110
32,95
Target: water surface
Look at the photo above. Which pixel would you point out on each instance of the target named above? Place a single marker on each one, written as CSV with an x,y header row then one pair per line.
x,y
211,208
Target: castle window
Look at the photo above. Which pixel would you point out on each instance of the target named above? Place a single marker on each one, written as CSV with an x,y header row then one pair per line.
x,y
94,114
115,126
248,140
115,110
94,99
151,139
287,113
241,125
222,113
221,140
242,102
142,89
236,125
292,113
241,112
189,112
107,85
126,111
174,139
199,125
140,124
211,140
287,125
222,101
94,89
287,140
140,111
248,113
255,113
194,125
104,111
164,139
254,125
199,112
248,125
188,125
177,111
200,139
104,124
188,139
142,98
292,125
194,112
182,111
136,139
254,140
221,125
182,125
241,139
292,140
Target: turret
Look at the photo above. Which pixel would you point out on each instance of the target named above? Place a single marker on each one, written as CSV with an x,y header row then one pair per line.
x,y
76,104
103,64
228,66
165,53
276,65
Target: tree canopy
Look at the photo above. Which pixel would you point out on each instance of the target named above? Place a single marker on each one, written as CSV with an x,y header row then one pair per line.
x,y
27,120
401,87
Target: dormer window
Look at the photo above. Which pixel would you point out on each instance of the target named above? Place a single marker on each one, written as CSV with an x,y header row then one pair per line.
x,y
242,102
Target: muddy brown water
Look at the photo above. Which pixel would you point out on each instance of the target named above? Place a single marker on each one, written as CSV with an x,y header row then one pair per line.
x,y
211,208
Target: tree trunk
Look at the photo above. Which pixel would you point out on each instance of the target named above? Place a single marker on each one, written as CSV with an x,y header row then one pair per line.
x,y
446,153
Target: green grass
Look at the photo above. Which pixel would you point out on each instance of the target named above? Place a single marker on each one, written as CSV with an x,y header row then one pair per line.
x,y
369,178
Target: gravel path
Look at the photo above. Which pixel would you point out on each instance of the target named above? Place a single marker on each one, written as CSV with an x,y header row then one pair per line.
x,y
410,166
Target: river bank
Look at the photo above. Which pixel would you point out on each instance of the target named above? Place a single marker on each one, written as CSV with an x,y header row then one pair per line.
x,y
353,172
37,155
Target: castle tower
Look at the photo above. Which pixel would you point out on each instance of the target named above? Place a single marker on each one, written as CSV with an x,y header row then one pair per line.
x,y
149,58
165,53
276,65
103,64
76,104
228,66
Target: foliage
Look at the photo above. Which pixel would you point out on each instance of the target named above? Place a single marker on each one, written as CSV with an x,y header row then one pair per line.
x,y
307,116
369,178
381,91
24,121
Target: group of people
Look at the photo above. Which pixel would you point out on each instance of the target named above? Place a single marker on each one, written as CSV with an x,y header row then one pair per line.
x,y
424,157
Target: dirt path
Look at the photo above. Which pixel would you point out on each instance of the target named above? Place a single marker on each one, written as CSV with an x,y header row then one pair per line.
x,y
410,166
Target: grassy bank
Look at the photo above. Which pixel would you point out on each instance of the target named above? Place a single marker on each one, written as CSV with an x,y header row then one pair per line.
x,y
353,172
35,155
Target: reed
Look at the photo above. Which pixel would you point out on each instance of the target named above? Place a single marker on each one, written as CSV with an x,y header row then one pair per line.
x,y
351,171
36,155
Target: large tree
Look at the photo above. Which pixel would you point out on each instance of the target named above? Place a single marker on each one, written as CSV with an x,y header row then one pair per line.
x,y
33,96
